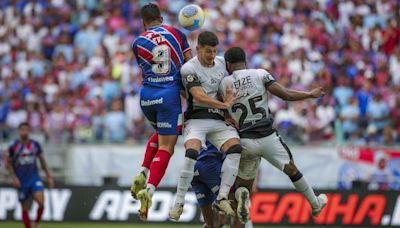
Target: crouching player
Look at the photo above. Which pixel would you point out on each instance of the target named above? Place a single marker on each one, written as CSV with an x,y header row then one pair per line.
x,y
205,184
22,155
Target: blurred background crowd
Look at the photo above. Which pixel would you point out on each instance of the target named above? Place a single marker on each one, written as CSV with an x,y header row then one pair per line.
x,y
67,67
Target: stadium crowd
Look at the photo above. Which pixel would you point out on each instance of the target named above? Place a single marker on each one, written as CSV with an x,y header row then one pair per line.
x,y
67,67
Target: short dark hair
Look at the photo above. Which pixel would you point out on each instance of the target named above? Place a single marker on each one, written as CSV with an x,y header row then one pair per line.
x,y
23,124
150,12
235,55
207,38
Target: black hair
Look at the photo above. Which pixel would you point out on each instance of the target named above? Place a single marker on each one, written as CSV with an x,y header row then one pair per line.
x,y
207,38
150,12
23,124
235,55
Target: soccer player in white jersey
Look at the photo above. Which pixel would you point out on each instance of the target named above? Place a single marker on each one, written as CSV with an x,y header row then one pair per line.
x,y
258,138
204,119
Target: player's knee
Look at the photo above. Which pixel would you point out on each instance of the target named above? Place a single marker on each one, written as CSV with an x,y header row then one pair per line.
x,y
235,149
290,169
191,153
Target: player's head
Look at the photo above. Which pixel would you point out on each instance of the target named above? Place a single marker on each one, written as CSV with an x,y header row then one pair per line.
x,y
23,130
151,15
235,58
207,47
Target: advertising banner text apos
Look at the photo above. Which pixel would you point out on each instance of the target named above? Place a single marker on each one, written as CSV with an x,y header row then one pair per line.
x,y
274,208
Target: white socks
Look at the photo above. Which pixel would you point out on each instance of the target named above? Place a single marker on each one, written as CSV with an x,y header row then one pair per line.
x,y
145,171
229,172
151,189
185,179
304,188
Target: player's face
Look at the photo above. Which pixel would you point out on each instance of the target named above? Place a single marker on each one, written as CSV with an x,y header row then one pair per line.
x,y
207,54
23,132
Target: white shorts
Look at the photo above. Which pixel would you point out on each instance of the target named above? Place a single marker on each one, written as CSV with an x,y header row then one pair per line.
x,y
271,148
214,131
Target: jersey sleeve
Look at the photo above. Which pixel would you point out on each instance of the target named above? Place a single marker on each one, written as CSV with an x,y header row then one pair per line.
x,y
134,48
221,88
267,78
185,44
189,78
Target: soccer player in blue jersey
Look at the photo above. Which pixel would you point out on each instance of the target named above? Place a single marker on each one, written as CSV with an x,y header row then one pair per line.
x,y
206,181
22,156
160,52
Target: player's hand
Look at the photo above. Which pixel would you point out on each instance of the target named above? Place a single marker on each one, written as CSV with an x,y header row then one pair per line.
x,y
317,92
16,182
50,182
230,97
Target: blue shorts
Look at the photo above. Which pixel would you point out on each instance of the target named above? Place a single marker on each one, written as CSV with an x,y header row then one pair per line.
x,y
162,107
26,191
207,179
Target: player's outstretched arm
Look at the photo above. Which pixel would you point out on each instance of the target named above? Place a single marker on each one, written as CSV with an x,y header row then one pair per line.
x,y
294,95
46,171
200,96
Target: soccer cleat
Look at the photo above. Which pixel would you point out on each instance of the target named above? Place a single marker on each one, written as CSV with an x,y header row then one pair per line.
x,y
243,207
145,203
322,200
224,206
138,184
175,212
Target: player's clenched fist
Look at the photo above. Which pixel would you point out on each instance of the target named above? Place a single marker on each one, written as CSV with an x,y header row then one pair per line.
x,y
317,92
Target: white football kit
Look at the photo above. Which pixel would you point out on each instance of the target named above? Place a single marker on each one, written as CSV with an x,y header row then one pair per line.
x,y
258,138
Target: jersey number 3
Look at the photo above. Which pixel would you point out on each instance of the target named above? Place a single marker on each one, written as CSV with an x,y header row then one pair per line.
x,y
254,111
161,57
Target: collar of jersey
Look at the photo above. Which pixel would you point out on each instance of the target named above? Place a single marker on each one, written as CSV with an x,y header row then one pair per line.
x,y
153,27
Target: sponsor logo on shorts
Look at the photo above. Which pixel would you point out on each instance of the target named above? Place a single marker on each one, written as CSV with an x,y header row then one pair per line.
x,y
215,188
162,79
200,196
151,102
164,125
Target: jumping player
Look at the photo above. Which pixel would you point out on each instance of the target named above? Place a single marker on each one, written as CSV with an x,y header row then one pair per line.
x,y
204,120
22,155
258,137
160,52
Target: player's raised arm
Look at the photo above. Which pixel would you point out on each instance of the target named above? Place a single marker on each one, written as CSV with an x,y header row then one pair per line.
x,y
46,170
294,95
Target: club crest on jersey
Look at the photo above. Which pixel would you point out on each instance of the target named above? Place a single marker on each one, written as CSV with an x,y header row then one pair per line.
x,y
190,78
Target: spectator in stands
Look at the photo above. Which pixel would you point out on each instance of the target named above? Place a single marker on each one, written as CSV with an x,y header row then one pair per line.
x,y
114,122
378,112
350,116
351,47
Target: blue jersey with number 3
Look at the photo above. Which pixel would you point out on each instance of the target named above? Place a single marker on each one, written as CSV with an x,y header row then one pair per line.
x,y
159,53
